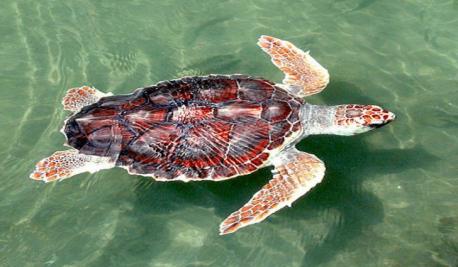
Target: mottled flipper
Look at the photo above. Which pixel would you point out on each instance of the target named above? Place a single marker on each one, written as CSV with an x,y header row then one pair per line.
x,y
304,76
295,174
65,164
76,98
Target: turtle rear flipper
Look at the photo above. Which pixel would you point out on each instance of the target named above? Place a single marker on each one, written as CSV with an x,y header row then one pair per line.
x,y
304,76
65,164
76,98
295,174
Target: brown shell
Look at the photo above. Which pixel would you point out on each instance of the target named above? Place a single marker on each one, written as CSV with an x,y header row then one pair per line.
x,y
210,127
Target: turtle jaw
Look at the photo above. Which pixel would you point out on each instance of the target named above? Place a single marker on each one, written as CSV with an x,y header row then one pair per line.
x,y
389,118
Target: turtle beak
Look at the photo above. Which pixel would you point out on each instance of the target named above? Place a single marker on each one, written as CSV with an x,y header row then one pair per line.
x,y
387,116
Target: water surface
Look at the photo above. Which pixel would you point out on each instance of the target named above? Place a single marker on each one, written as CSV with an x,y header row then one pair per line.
x,y
389,197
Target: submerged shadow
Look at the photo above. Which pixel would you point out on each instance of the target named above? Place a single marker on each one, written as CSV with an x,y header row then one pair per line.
x,y
349,161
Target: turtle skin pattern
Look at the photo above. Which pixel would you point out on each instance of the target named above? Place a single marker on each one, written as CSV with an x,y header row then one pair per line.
x,y
209,127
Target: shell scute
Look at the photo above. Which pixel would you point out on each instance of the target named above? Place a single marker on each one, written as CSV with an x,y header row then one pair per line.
x,y
225,171
132,104
161,99
239,109
279,129
275,111
218,92
212,127
280,94
104,112
255,90
276,143
144,118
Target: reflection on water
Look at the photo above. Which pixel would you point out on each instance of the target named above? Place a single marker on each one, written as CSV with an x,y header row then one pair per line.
x,y
388,197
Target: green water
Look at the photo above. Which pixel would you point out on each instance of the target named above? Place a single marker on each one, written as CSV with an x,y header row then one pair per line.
x,y
389,197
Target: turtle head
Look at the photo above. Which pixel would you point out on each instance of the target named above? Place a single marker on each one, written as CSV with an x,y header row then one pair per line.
x,y
354,119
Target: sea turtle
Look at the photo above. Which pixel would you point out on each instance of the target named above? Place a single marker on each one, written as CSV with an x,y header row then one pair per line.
x,y
214,128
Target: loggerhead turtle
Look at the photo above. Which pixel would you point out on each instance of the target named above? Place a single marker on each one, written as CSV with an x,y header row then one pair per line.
x,y
214,128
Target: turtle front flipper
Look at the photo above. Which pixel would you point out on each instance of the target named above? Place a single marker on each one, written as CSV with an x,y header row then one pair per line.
x,y
76,98
304,76
295,174
65,164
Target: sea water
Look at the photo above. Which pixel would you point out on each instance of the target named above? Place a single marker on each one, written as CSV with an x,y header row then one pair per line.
x,y
389,197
